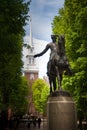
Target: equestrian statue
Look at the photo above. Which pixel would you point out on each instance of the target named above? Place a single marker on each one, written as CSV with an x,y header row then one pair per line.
x,y
58,63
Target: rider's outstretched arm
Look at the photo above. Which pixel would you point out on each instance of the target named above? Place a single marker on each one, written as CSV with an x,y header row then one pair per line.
x,y
43,52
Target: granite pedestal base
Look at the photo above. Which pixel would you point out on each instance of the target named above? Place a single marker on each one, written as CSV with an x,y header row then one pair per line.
x,y
61,111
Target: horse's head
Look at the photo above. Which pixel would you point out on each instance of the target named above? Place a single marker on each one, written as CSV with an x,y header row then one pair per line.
x,y
61,45
61,38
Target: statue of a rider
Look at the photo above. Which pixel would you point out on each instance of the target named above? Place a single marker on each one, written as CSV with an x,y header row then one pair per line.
x,y
58,62
53,47
55,50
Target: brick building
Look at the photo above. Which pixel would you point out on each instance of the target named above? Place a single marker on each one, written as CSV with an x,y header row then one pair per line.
x,y
30,70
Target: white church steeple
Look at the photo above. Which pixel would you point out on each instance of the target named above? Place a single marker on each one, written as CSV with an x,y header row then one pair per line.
x,y
31,67
31,37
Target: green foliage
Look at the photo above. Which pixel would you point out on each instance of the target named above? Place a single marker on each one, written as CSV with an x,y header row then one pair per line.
x,y
19,97
40,93
58,23
13,16
72,22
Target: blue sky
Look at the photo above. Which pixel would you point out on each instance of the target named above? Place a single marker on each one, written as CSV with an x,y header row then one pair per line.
x,y
42,13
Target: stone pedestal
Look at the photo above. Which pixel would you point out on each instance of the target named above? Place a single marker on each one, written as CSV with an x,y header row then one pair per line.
x,y
61,112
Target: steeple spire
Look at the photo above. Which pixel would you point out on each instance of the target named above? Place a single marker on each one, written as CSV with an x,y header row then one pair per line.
x,y
31,66
31,39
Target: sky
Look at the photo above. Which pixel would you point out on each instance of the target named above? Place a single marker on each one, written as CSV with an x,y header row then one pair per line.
x,y
42,13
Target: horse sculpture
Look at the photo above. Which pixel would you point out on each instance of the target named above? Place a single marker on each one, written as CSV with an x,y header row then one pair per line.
x,y
58,62
58,65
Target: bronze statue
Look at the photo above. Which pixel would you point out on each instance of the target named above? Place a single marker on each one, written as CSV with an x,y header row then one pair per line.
x,y
58,62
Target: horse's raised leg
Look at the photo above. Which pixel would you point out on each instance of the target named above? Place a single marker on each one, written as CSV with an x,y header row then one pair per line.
x,y
69,71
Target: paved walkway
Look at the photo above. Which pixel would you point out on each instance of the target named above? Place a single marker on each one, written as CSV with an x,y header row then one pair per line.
x,y
23,126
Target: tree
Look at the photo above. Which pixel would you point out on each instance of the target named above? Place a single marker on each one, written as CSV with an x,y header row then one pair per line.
x,y
40,91
76,18
58,24
13,16
19,97
73,23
